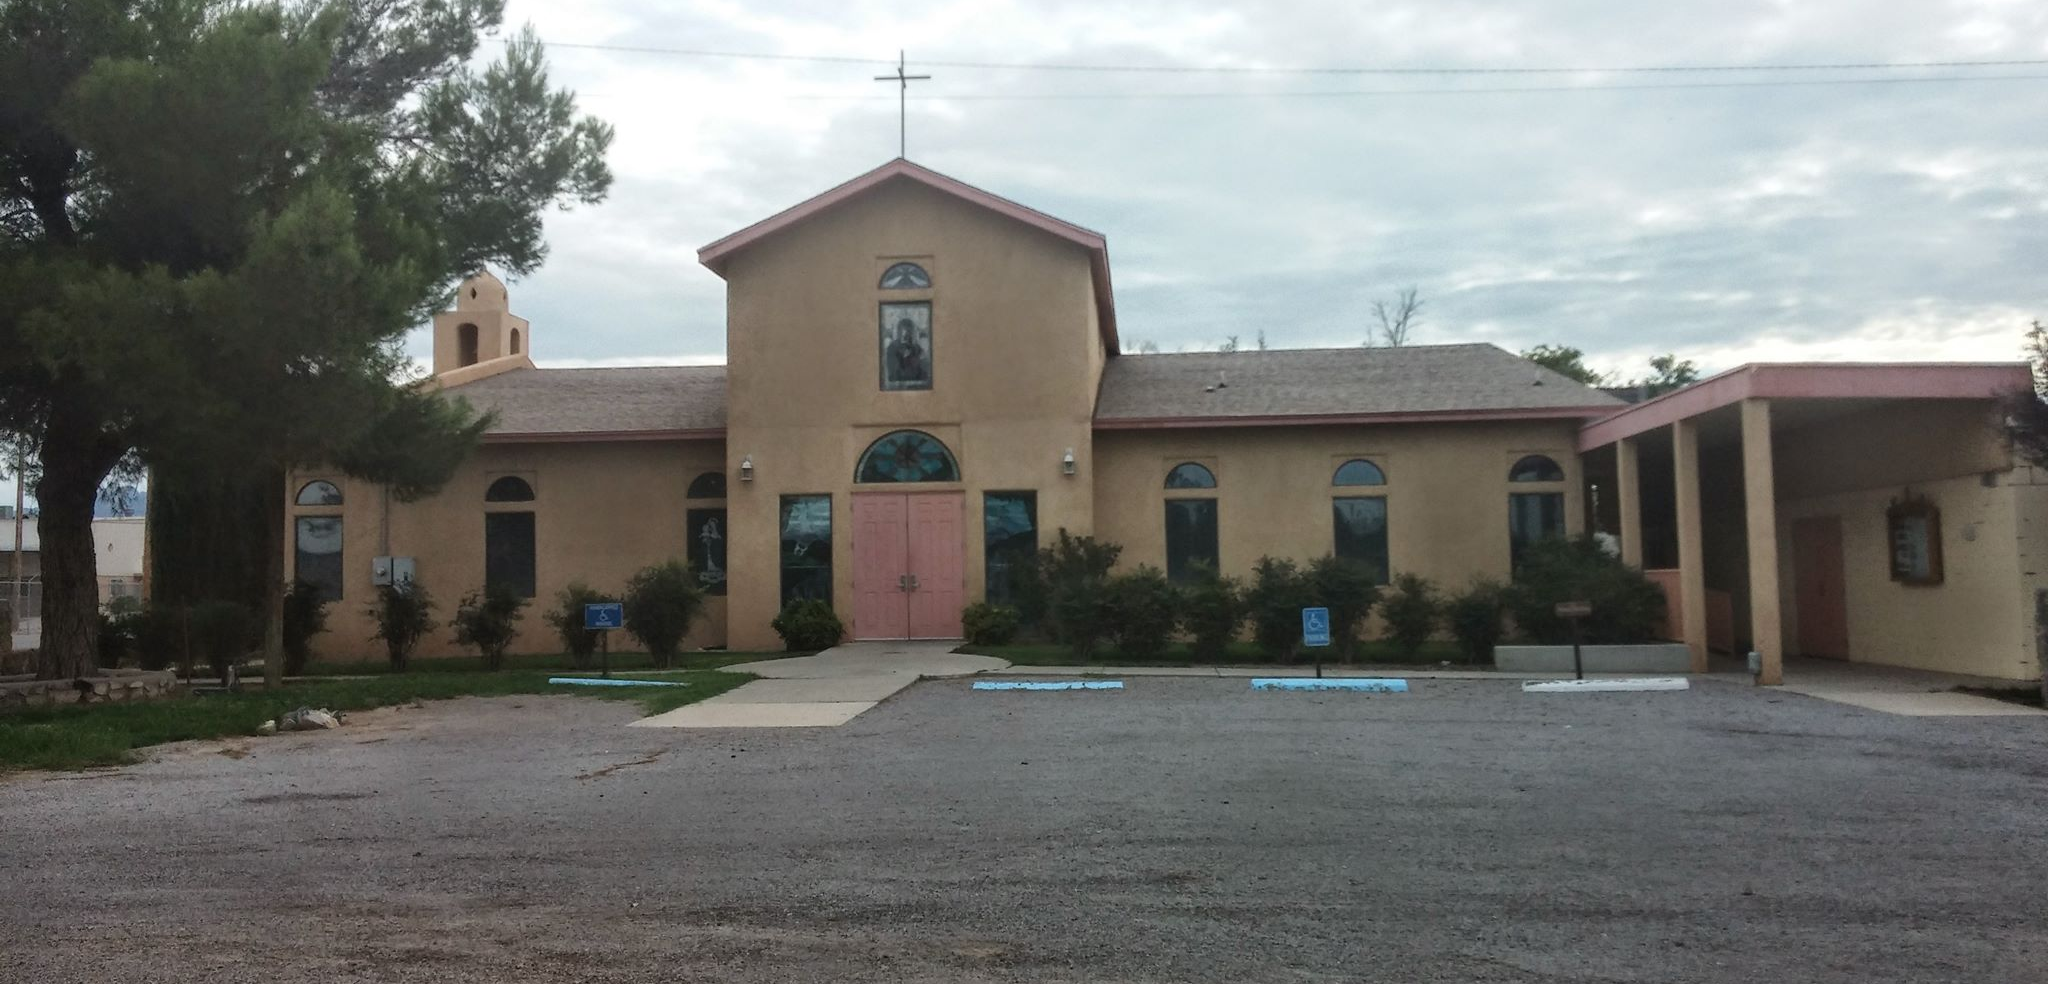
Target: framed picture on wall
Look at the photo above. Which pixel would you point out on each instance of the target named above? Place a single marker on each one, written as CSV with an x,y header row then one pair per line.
x,y
1913,532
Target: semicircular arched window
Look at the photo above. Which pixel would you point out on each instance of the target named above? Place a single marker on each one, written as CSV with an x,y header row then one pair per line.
x,y
710,485
1536,468
510,488
1188,475
907,456
906,276
319,493
1359,471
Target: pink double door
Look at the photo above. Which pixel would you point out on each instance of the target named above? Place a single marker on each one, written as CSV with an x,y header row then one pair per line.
x,y
909,564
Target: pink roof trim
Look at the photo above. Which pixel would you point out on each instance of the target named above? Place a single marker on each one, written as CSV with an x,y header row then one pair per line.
x,y
716,254
1330,419
1812,381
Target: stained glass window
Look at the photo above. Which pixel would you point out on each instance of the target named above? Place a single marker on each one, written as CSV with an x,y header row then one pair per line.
x,y
508,551
707,548
319,493
1536,468
1189,475
318,548
1190,537
906,339
1359,471
1009,525
806,525
906,276
907,456
1533,516
1360,530
511,488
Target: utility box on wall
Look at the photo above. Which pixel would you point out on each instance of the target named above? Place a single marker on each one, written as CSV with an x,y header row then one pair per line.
x,y
391,571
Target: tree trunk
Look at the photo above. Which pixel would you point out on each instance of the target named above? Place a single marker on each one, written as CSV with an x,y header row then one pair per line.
x,y
75,460
2041,639
273,588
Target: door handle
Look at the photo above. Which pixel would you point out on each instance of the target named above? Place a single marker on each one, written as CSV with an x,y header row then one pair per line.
x,y
913,582
902,582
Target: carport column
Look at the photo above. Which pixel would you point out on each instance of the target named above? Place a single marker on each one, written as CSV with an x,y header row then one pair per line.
x,y
1760,506
1692,572
1628,497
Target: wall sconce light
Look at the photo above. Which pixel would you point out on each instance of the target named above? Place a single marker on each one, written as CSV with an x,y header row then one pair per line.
x,y
1067,462
747,468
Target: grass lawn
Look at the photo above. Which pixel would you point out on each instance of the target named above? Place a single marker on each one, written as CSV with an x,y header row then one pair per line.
x,y
76,737
556,662
1376,652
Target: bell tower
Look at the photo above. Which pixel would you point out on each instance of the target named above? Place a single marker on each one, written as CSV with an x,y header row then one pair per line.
x,y
481,328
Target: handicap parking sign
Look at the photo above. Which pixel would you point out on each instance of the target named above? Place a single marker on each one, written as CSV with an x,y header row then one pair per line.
x,y
604,615
1315,626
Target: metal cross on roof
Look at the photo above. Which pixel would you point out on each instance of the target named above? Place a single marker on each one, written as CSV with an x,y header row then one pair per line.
x,y
902,100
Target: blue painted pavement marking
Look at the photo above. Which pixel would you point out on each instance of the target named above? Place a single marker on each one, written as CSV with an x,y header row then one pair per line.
x,y
592,682
1366,684
1056,685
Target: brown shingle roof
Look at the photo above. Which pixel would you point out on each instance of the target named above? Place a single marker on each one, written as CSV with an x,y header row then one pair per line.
x,y
1448,380
565,402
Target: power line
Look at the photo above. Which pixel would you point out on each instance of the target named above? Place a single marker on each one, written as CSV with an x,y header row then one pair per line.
x,y
1263,70
1343,93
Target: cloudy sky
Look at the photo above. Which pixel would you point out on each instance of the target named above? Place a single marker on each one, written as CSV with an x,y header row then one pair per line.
x,y
1901,219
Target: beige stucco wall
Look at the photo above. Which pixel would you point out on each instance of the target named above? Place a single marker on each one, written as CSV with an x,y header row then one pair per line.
x,y
601,512
1447,490
1979,619
1015,365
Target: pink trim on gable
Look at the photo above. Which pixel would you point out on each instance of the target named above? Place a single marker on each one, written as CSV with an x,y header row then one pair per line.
x,y
598,437
1329,419
717,253
1812,381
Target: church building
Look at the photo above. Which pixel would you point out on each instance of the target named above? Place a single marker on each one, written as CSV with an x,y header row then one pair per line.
x,y
924,384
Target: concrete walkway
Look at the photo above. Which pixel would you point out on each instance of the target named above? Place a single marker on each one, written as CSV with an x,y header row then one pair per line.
x,y
826,690
1897,690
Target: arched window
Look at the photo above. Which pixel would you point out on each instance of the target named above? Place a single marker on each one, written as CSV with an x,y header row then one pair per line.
x,y
710,485
907,456
510,488
1536,468
515,341
465,341
1359,471
906,276
319,493
1188,475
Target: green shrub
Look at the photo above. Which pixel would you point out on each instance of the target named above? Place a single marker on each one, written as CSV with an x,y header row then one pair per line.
x,y
1142,610
222,632
1278,593
1069,577
989,625
567,619
1348,589
488,620
661,602
1411,610
1474,616
1212,608
808,625
404,616
160,638
305,616
118,625
1627,606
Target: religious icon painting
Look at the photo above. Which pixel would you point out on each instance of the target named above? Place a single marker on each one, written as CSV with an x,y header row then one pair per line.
x,y
906,338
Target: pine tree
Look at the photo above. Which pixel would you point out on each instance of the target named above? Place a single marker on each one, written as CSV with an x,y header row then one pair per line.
x,y
217,222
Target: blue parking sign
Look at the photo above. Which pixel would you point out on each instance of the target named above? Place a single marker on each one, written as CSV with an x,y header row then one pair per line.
x,y
1315,627
604,615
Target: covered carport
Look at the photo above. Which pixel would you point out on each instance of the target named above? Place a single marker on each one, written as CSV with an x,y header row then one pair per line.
x,y
1869,513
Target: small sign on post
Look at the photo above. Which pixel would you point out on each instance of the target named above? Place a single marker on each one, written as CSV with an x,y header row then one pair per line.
x,y
1572,611
1315,633
602,617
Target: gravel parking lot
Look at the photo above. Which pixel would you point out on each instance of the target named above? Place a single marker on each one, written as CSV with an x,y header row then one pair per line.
x,y
1181,830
